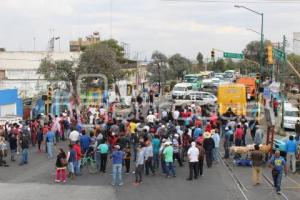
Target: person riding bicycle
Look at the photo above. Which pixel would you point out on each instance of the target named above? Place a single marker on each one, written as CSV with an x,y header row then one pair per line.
x,y
90,152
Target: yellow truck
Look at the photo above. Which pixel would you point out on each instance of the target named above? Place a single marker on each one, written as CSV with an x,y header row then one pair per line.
x,y
232,96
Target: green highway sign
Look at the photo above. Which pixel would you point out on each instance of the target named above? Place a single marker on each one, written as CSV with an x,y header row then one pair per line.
x,y
233,55
278,54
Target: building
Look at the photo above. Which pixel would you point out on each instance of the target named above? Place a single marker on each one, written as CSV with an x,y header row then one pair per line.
x,y
18,70
11,106
296,43
80,44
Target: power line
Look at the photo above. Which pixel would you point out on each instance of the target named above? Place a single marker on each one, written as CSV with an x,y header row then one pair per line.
x,y
231,1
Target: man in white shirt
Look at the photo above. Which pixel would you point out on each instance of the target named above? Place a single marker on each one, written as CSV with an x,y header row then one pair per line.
x,y
176,115
193,156
151,118
74,136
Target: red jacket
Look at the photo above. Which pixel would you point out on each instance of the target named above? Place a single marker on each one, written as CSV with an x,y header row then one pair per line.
x,y
77,149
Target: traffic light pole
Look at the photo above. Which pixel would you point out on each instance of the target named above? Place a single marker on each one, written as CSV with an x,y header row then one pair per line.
x,y
261,45
282,79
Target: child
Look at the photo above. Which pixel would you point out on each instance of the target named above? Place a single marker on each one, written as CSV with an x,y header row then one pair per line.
x,y
127,159
61,163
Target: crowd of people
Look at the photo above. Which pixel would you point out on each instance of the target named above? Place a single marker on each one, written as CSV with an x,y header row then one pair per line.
x,y
147,141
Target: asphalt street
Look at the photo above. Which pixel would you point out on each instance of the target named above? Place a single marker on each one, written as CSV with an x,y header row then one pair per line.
x,y
223,181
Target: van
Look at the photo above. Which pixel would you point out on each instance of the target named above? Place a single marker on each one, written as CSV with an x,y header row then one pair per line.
x,y
233,96
290,116
250,84
181,90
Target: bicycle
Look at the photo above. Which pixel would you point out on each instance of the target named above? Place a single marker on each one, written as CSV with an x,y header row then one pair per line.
x,y
89,161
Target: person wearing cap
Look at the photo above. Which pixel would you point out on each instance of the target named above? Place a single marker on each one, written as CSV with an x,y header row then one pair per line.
x,y
193,156
208,145
168,158
117,161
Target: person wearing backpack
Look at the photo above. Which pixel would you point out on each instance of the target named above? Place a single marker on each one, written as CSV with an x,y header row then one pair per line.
x,y
61,164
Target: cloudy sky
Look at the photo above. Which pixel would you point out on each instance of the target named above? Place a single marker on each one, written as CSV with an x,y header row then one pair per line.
x,y
185,27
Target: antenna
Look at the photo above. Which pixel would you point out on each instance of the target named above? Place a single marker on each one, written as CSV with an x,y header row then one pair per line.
x,y
111,5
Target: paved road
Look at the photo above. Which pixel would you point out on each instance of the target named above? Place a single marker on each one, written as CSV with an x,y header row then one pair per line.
x,y
37,180
37,177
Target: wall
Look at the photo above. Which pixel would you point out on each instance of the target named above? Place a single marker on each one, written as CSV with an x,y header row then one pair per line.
x,y
10,96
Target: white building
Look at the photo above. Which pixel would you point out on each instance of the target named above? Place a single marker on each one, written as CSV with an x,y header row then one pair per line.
x,y
296,43
18,70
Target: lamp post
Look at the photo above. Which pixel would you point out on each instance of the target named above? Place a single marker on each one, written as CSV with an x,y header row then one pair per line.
x,y
261,35
254,31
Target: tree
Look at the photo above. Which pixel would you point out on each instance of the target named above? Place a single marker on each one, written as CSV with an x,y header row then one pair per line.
x,y
100,59
252,50
158,68
179,65
95,60
114,46
220,66
60,71
200,60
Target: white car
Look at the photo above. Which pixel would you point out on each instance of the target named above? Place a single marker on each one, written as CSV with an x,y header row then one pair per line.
x,y
290,117
180,90
216,82
205,97
207,83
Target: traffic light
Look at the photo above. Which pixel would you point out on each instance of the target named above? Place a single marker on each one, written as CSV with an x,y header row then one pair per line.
x,y
213,54
50,93
269,55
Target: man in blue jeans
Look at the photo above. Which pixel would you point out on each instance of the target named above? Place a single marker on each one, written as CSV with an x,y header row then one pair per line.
x,y
117,160
24,143
168,156
50,137
278,164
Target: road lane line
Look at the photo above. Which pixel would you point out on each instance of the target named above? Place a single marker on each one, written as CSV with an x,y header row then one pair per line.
x,y
235,179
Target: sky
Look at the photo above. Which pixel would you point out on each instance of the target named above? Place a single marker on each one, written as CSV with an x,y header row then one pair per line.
x,y
183,26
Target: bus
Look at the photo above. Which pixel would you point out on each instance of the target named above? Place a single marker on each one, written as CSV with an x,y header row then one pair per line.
x,y
233,96
195,80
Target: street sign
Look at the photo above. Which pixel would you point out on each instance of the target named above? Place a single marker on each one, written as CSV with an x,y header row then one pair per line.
x,y
233,55
279,54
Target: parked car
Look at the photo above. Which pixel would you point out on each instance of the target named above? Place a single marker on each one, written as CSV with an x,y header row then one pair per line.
x,y
205,97
181,90
290,116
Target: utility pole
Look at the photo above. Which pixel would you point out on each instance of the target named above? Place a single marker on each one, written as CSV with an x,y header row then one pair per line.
x,y
283,68
261,45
